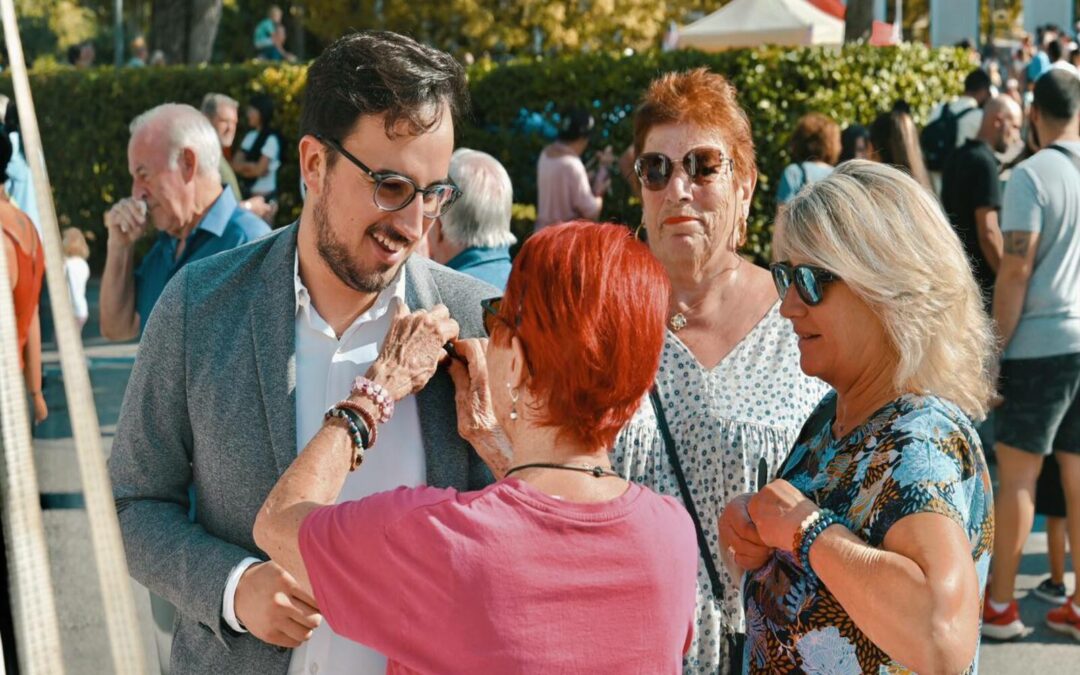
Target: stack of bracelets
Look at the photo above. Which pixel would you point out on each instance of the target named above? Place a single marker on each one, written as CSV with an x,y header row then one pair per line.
x,y
363,427
809,531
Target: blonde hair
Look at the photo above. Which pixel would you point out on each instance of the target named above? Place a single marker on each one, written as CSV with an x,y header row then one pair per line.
x,y
74,243
888,239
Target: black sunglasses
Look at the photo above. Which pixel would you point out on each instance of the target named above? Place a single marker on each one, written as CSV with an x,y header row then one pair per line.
x,y
491,314
702,165
394,192
809,281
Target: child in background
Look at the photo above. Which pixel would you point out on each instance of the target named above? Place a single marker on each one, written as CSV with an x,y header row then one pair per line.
x,y
77,271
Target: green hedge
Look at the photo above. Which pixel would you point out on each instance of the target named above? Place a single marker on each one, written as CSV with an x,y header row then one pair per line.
x,y
84,115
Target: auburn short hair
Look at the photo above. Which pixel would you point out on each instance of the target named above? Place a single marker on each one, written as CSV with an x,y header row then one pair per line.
x,y
699,97
589,303
816,139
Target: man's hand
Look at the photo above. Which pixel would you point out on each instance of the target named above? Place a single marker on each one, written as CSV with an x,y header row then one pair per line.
x,y
476,416
126,222
413,350
273,607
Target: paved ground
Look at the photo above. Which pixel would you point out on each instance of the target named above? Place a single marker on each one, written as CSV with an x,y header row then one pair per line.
x,y
71,560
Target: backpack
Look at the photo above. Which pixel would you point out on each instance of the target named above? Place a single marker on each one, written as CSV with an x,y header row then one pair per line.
x,y
938,139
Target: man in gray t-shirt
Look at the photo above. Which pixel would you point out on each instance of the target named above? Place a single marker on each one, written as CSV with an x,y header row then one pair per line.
x,y
1037,312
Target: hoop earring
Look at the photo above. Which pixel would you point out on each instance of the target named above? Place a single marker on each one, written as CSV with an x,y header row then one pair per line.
x,y
513,401
639,232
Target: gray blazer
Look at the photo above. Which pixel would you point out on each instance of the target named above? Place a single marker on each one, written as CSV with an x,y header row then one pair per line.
x,y
211,403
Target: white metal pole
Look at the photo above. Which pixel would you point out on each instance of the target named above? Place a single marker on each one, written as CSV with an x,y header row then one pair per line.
x,y
116,592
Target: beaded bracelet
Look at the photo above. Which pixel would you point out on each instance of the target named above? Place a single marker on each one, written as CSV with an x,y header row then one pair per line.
x,y
357,431
368,389
810,531
369,420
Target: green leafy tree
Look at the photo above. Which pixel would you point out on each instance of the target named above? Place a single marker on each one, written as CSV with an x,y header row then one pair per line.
x,y
509,26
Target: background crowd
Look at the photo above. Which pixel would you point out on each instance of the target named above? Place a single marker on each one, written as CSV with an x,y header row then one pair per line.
x,y
821,441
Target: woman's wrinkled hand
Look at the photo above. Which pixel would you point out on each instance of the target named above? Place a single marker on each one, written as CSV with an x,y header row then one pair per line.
x,y
739,537
477,423
413,349
778,510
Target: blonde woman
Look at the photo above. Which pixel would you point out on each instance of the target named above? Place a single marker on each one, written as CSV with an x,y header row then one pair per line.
x,y
886,487
77,271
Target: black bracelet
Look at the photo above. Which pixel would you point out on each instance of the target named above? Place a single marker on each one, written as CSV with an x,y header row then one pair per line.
x,y
358,428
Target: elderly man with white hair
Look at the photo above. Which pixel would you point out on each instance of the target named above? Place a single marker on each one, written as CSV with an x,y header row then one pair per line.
x,y
474,237
173,158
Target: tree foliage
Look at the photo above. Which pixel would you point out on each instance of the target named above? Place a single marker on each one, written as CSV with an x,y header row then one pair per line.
x,y
510,26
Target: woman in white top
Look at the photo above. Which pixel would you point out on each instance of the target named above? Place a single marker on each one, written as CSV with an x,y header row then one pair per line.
x,y
729,386
77,271
257,161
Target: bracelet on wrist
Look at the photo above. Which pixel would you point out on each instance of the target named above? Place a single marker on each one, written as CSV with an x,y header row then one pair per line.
x,y
358,432
366,388
366,416
810,530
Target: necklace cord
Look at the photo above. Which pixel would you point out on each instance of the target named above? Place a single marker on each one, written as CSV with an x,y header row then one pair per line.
x,y
597,471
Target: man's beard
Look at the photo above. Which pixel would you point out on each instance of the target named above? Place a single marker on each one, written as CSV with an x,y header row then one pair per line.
x,y
337,257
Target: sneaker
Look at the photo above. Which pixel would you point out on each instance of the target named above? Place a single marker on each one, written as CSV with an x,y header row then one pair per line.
x,y
1002,625
1051,592
1065,620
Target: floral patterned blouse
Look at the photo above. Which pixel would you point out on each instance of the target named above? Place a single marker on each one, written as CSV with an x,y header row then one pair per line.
x,y
917,454
749,406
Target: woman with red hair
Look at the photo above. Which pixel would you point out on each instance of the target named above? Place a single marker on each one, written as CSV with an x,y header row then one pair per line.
x,y
561,557
730,396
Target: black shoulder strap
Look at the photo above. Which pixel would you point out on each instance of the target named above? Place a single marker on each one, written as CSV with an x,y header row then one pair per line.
x,y
688,501
1068,153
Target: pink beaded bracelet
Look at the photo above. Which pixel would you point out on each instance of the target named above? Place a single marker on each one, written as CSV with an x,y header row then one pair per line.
x,y
376,393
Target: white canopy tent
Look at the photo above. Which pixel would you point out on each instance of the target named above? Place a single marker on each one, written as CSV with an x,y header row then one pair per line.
x,y
751,23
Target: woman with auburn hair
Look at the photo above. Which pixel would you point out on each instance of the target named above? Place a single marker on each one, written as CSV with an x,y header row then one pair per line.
x,y
729,394
560,556
815,148
886,487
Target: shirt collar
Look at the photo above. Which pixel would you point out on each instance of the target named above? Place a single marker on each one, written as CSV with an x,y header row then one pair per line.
x,y
217,217
390,297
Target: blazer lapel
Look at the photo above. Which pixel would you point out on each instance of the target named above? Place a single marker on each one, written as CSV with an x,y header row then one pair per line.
x,y
445,453
273,330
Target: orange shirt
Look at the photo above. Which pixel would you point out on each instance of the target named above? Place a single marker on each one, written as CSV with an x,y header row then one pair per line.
x,y
30,261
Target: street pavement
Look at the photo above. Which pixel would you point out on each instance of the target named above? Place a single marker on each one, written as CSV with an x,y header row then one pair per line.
x,y
85,642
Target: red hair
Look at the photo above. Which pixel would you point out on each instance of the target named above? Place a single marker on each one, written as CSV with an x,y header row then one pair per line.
x,y
702,98
589,302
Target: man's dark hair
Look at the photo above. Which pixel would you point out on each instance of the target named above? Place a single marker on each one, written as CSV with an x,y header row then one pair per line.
x,y
379,72
575,123
5,155
73,53
1054,51
1057,94
976,81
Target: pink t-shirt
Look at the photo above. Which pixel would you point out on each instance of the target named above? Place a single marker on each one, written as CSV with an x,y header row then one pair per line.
x,y
507,580
562,189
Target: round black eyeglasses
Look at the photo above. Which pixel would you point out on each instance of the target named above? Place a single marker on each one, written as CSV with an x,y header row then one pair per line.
x,y
394,192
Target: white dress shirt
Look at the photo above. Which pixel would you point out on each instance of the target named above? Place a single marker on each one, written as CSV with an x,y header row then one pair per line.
x,y
325,369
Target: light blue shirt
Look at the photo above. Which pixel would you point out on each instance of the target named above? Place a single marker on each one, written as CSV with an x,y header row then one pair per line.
x,y
795,176
20,183
224,226
486,264
1043,196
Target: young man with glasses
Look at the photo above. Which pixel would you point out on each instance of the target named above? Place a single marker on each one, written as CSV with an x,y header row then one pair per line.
x,y
247,351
